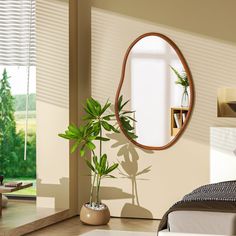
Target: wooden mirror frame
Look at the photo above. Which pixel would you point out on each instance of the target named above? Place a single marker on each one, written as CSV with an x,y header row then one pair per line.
x,y
191,87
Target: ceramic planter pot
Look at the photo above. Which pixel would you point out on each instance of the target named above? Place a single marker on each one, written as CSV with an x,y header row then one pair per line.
x,y
91,216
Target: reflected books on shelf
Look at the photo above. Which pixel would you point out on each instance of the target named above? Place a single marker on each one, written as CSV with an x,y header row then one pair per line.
x,y
183,117
176,120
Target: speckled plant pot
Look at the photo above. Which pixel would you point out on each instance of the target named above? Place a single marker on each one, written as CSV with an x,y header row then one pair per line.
x,y
94,217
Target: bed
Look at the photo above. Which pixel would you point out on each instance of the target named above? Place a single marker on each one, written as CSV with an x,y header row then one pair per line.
x,y
208,210
167,233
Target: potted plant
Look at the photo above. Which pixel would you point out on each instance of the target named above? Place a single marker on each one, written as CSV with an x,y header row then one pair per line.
x,y
97,120
182,80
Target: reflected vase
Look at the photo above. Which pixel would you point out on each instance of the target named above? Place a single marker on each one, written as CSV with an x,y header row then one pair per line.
x,y
185,98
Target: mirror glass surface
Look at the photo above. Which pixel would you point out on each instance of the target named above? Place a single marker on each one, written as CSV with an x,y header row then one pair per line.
x,y
157,84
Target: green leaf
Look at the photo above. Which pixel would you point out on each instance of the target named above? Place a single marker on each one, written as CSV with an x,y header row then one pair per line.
x,y
131,135
90,165
103,161
91,138
97,125
114,129
82,152
90,145
178,82
75,146
182,79
106,126
81,129
64,136
176,72
96,128
120,102
106,106
130,118
94,102
113,167
126,124
89,112
73,128
96,105
127,112
91,107
95,160
102,138
108,117
71,134
109,127
88,117
122,106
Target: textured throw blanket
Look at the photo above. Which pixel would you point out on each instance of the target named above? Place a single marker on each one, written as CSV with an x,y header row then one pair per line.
x,y
219,197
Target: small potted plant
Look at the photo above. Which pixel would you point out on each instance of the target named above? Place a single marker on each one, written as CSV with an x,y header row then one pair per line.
x,y
182,80
98,119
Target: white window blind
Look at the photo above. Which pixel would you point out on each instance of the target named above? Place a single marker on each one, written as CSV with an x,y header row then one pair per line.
x,y
17,32
17,40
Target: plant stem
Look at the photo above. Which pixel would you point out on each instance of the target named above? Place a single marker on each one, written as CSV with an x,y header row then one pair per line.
x,y
100,142
98,188
91,190
92,186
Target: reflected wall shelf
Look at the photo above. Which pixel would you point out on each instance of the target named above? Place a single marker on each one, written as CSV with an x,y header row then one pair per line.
x,y
178,116
232,105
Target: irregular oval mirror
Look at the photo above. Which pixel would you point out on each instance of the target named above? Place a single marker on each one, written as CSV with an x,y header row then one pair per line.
x,y
155,96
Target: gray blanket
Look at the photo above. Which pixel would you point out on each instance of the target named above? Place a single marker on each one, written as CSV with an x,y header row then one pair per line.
x,y
223,191
219,197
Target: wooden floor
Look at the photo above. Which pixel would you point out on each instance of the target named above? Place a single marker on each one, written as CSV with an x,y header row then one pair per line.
x,y
23,216
74,227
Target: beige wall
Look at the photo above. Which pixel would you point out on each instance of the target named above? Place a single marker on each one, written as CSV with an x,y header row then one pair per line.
x,y
52,35
63,65
207,42
214,18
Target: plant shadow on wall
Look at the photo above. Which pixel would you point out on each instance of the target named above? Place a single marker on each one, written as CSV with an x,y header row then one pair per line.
x,y
129,169
99,123
97,120
129,165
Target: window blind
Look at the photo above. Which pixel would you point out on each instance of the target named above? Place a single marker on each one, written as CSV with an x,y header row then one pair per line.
x,y
17,41
17,32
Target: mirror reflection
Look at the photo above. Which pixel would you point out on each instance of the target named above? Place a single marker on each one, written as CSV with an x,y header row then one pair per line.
x,y
157,89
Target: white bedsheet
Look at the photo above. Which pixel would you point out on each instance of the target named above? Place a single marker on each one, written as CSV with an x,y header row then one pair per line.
x,y
203,222
118,233
167,233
